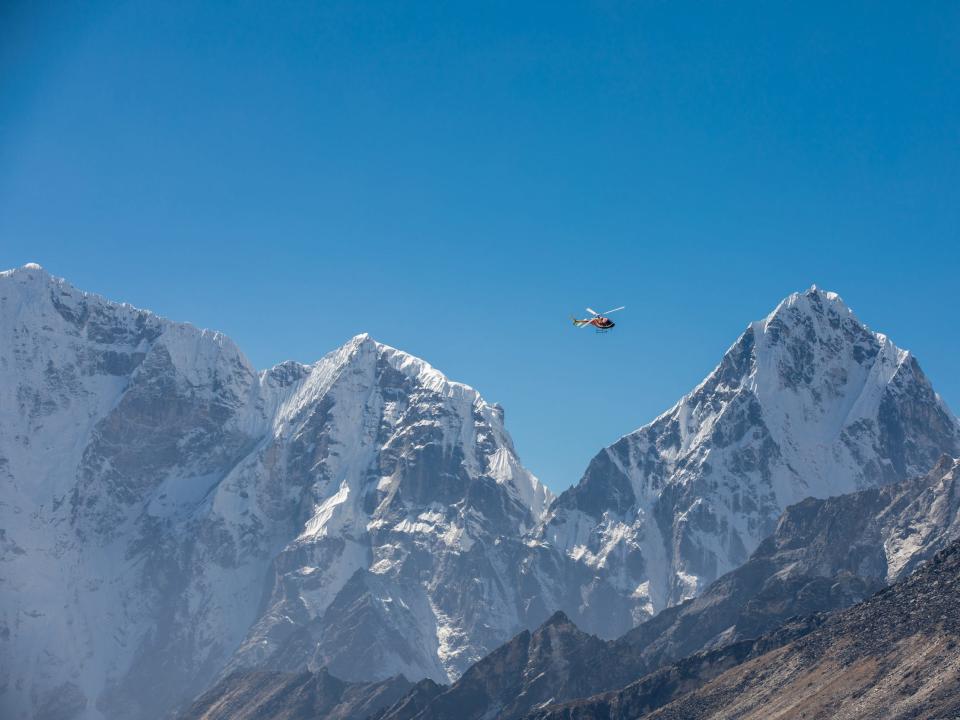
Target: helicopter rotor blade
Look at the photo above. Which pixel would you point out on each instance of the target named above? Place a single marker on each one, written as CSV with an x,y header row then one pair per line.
x,y
592,312
622,307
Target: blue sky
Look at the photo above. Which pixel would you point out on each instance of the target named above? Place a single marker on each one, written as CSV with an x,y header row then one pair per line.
x,y
458,178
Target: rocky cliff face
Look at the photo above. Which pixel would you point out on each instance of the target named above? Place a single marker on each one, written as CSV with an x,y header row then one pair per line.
x,y
168,512
825,554
294,696
659,688
808,402
533,669
892,656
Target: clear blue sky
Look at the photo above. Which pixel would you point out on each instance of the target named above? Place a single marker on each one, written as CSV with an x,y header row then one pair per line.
x,y
458,178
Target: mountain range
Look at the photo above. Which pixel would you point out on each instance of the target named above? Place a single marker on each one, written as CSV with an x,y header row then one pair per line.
x,y
172,516
825,555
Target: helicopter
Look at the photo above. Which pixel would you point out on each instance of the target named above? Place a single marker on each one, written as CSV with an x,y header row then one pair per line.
x,y
599,320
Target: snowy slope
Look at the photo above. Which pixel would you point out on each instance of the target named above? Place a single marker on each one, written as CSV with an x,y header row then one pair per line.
x,y
167,510
169,514
807,402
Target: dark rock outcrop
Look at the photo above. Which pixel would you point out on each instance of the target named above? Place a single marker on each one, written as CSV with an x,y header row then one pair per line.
x,y
294,696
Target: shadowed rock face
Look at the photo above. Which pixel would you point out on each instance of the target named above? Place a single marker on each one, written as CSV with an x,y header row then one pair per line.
x,y
808,402
294,696
169,513
825,554
412,703
892,656
663,686
519,675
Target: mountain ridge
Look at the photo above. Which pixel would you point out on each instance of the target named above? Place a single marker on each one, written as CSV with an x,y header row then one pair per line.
x,y
826,554
364,513
808,401
156,478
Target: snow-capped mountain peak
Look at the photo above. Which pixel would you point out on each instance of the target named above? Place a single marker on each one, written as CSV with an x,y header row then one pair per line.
x,y
156,484
367,514
807,402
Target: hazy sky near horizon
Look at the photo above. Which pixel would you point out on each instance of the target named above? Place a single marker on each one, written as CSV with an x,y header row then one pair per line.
x,y
457,179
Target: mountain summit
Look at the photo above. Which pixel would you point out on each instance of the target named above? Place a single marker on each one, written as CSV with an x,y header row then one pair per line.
x,y
169,511
807,402
169,514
